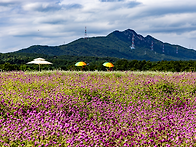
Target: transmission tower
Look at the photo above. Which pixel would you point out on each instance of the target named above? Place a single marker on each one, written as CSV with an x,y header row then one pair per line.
x,y
85,34
152,46
133,45
163,48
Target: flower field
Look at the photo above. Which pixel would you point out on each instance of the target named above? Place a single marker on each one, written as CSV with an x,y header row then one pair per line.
x,y
84,109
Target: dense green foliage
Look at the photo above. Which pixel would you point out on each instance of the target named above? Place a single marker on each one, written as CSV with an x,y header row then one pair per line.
x,y
17,61
13,61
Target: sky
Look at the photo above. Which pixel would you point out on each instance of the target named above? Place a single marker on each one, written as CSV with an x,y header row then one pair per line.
x,y
24,23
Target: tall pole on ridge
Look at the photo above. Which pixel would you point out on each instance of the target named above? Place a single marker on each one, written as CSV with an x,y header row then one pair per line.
x,y
85,34
163,48
152,46
133,45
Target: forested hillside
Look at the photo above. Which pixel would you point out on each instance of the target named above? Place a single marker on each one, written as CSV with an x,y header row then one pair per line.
x,y
149,54
117,44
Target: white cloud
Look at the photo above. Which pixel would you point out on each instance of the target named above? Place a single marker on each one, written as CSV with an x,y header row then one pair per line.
x,y
53,22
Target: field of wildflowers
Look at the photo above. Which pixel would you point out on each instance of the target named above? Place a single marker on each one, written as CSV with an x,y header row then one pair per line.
x,y
80,109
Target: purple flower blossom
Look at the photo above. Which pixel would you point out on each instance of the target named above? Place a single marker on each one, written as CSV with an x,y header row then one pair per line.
x,y
80,109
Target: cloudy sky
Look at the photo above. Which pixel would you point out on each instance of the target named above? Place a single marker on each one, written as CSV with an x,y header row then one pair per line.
x,y
55,22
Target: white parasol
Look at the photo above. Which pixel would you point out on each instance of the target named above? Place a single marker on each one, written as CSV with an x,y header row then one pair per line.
x,y
39,61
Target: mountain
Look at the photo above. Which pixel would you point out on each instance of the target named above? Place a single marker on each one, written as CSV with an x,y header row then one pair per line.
x,y
117,44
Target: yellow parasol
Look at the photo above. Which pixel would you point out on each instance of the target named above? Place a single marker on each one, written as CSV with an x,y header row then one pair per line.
x,y
80,63
108,64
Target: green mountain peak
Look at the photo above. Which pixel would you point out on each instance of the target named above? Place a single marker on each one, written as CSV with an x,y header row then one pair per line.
x,y
117,44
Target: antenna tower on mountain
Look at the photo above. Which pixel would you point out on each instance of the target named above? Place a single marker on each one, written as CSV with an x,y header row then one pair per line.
x,y
152,46
85,34
133,45
163,48
177,50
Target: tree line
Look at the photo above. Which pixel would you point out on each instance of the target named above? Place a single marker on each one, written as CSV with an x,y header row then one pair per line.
x,y
97,64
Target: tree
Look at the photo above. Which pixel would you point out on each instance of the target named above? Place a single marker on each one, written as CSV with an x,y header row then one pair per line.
x,y
9,67
122,64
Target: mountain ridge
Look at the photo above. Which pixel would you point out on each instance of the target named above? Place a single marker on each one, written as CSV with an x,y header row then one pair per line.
x,y
117,44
